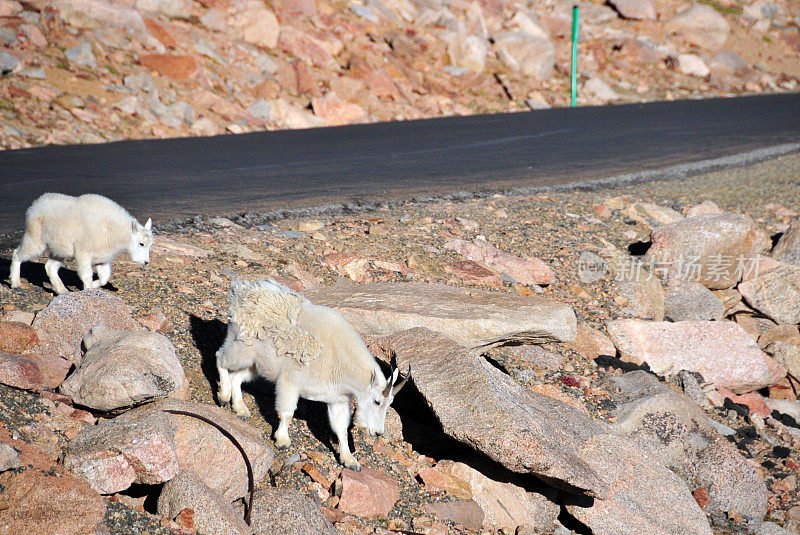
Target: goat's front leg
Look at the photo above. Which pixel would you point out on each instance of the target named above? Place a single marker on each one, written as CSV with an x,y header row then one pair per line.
x,y
339,416
224,392
237,403
83,263
103,275
286,397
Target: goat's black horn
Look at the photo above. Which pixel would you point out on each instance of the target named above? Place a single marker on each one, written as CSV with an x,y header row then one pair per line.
x,y
402,383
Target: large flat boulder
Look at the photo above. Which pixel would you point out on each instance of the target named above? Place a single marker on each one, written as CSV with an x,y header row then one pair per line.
x,y
123,369
672,428
470,317
644,496
480,406
721,351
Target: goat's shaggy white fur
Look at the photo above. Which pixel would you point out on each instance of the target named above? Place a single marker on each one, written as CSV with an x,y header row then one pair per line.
x,y
308,351
91,229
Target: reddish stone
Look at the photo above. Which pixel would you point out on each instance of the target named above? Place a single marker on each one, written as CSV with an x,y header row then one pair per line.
x,y
155,321
382,85
49,502
359,68
186,519
701,496
32,372
16,337
792,39
335,111
160,33
34,35
591,344
181,67
267,90
754,402
289,282
305,8
305,47
602,210
527,271
473,273
368,493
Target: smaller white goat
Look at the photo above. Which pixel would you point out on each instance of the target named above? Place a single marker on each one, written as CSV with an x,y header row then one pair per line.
x,y
308,351
91,229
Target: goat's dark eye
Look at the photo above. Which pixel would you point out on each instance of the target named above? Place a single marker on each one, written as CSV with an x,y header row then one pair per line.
x,y
141,244
377,402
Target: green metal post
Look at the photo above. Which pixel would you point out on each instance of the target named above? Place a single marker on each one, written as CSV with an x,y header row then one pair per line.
x,y
574,54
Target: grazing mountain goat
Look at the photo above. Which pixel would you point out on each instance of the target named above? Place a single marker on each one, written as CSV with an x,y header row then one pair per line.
x,y
91,229
308,351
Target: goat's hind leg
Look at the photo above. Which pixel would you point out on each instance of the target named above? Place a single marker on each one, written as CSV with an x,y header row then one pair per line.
x,y
30,247
286,398
339,416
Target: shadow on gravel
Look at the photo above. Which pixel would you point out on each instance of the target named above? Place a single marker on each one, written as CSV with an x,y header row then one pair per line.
x,y
149,493
208,336
34,274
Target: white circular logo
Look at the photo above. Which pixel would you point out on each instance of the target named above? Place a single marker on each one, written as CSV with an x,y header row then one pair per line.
x,y
591,267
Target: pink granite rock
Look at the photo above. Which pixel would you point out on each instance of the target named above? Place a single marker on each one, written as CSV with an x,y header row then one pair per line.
x,y
522,270
368,493
721,351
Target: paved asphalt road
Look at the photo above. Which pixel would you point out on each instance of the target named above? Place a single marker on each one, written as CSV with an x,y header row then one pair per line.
x,y
288,169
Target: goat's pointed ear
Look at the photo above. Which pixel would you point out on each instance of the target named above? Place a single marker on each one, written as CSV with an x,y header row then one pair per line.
x,y
394,376
373,380
149,224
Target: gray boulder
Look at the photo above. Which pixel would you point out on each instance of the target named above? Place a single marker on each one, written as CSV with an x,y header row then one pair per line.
x,y
788,247
691,301
287,512
213,514
776,293
644,496
701,25
123,369
672,428
710,249
527,54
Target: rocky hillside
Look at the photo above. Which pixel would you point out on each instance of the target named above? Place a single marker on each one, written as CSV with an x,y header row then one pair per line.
x,y
614,362
89,71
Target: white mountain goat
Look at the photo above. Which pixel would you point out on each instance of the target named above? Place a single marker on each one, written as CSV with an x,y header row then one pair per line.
x,y
91,229
308,351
